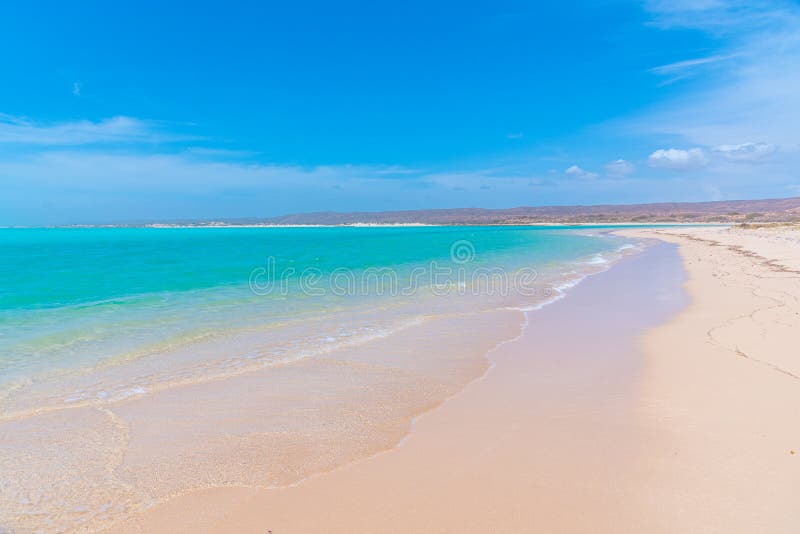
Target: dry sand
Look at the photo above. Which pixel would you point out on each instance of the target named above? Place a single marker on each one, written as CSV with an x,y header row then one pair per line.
x,y
722,388
582,425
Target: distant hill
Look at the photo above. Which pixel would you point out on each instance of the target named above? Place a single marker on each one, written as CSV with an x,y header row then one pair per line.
x,y
728,211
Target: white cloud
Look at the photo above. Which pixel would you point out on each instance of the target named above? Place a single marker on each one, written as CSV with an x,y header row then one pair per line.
x,y
576,172
121,129
674,158
745,151
515,135
620,167
693,158
76,88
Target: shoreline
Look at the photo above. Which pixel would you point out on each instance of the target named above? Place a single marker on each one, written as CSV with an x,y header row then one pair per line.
x,y
220,498
387,225
255,428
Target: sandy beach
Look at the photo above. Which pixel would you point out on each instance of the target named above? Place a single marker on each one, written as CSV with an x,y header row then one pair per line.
x,y
721,392
400,267
687,428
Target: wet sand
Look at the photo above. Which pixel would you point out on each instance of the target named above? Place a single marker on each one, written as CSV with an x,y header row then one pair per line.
x,y
550,439
88,466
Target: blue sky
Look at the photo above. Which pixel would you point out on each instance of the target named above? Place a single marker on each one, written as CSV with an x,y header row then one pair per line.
x,y
134,111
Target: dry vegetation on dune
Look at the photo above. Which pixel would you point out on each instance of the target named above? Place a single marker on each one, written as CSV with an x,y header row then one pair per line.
x,y
785,225
786,210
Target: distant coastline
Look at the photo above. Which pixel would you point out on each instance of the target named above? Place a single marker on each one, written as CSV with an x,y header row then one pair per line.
x,y
720,212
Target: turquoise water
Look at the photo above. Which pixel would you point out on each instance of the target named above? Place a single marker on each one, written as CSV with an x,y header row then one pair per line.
x,y
72,298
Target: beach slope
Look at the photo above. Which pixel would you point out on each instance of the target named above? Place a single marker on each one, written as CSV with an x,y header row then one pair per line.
x,y
665,414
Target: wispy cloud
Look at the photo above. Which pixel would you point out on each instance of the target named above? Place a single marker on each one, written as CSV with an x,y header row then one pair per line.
x,y
757,98
76,88
63,186
121,129
745,151
721,17
167,172
690,63
682,69
220,153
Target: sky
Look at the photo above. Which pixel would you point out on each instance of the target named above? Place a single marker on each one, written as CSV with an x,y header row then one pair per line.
x,y
138,111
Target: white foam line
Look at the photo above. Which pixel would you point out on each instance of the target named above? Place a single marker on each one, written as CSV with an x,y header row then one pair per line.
x,y
562,290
